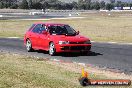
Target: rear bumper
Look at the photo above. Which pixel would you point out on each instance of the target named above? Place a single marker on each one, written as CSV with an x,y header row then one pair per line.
x,y
73,47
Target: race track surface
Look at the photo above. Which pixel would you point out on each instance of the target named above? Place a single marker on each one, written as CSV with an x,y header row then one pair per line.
x,y
40,16
113,56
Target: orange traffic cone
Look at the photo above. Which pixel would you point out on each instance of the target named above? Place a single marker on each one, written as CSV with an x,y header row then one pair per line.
x,y
84,73
84,81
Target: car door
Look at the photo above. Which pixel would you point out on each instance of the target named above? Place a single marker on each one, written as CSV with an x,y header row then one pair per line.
x,y
34,36
43,38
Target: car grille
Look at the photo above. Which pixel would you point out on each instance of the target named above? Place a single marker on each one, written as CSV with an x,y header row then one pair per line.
x,y
76,42
76,48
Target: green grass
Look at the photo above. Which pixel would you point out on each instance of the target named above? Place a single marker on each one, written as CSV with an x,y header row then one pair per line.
x,y
98,27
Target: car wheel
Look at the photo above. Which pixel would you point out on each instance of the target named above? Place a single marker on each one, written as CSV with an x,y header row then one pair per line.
x,y
29,46
52,49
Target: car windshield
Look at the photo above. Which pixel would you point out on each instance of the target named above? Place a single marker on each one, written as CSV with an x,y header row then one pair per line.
x,y
62,30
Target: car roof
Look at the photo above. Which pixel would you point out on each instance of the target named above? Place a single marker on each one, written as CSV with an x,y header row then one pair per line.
x,y
46,23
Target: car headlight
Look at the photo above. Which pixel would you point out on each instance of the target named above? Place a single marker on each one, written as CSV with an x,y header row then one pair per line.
x,y
63,42
87,42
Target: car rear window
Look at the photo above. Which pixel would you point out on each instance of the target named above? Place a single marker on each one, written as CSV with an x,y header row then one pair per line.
x,y
31,27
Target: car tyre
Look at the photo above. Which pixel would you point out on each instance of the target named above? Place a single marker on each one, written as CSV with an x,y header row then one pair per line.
x,y
29,45
52,50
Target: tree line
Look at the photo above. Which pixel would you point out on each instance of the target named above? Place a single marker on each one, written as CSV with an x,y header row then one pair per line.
x,y
58,5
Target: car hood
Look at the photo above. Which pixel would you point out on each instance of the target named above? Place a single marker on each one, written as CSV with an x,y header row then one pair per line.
x,y
77,38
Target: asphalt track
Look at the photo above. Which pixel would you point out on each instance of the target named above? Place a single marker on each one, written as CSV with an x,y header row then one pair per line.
x,y
104,55
41,16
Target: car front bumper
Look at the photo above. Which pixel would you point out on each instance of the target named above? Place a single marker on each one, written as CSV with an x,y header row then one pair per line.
x,y
73,47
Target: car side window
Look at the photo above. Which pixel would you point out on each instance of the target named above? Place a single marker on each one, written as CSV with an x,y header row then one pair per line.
x,y
52,29
39,28
42,28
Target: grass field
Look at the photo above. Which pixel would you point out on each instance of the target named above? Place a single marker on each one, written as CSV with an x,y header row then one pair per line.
x,y
25,72
98,27
17,71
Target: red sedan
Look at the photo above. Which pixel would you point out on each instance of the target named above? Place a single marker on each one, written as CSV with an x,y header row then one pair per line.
x,y
55,38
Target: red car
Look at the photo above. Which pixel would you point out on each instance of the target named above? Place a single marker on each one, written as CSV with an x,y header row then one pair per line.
x,y
55,38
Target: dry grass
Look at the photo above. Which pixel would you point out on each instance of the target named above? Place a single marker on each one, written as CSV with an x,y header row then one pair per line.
x,y
25,72
98,27
17,71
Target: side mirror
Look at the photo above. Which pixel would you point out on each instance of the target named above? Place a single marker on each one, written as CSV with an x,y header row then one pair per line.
x,y
44,32
77,33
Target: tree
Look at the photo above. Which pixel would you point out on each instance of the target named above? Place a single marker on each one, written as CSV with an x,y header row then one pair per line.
x,y
109,6
95,5
87,1
88,6
112,1
1,5
125,4
82,6
118,3
8,4
30,4
75,5
53,1
80,1
24,5
37,5
45,5
14,6
130,4
69,6
102,5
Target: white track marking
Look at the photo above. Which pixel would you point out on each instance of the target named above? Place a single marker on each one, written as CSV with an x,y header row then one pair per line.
x,y
69,18
55,18
56,60
82,64
13,37
113,43
34,19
